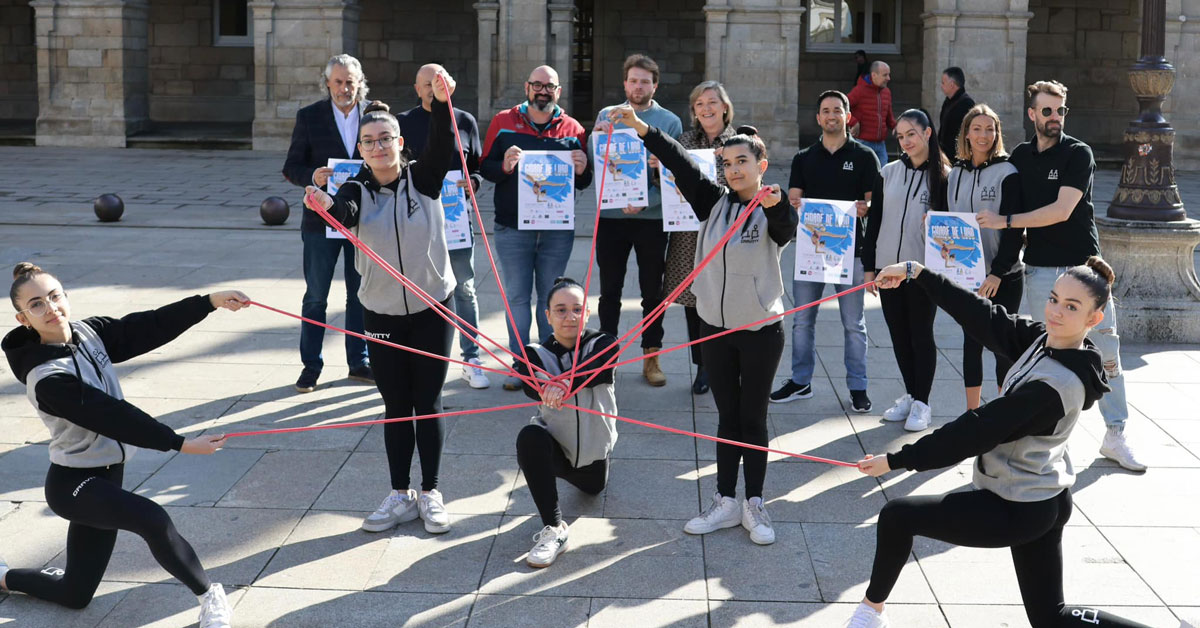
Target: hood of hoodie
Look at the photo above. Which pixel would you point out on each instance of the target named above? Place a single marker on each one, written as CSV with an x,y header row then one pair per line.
x,y
24,349
1086,364
969,165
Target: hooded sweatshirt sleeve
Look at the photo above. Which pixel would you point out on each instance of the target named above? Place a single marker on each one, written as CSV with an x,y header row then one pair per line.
x,y
990,325
699,191
1032,408
93,409
141,332
522,369
429,170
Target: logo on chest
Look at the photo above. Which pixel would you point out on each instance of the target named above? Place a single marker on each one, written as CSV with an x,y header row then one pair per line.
x,y
988,193
1053,176
100,357
849,165
924,198
751,236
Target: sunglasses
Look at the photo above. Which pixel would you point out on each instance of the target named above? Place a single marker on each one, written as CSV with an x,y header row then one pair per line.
x,y
1046,111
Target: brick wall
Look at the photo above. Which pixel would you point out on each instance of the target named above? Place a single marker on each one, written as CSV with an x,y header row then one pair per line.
x,y
191,80
18,61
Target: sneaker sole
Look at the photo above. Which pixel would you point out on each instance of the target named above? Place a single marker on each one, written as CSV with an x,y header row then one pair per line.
x,y
302,389
1112,455
434,528
467,379
792,397
860,410
379,527
359,378
758,541
897,420
731,524
561,548
916,429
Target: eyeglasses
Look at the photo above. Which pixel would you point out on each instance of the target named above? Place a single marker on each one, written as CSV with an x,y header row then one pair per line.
x,y
540,86
42,307
382,143
1046,111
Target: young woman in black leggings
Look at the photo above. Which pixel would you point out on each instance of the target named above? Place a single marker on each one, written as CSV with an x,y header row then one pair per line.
x,y
1023,475
740,286
67,369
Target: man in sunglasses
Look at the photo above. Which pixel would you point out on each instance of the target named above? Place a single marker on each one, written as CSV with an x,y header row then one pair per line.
x,y
1056,171
530,259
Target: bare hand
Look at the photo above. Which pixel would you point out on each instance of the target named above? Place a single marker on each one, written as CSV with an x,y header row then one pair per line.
x,y
773,197
203,445
580,159
990,220
443,92
794,198
603,126
989,287
632,210
855,129
511,157
652,162
319,196
869,277
321,176
232,300
861,208
627,116
552,395
464,183
894,275
874,466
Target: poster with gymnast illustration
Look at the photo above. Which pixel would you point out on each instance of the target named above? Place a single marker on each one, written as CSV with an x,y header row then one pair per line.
x,y
953,248
343,169
825,241
546,190
626,183
458,217
677,213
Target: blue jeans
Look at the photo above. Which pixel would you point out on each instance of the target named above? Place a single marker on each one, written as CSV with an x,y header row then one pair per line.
x,y
462,261
880,149
320,259
854,331
1038,282
530,261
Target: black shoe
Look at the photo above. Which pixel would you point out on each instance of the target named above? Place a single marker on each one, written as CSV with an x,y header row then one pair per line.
x,y
791,391
362,373
859,401
307,381
700,385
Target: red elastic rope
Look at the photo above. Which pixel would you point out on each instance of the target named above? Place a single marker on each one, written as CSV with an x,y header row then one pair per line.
x,y
309,428
587,282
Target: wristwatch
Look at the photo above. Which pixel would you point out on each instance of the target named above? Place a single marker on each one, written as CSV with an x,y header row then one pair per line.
x,y
1009,221
908,270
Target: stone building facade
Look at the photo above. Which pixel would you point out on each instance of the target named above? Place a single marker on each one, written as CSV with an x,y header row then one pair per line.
x,y
99,71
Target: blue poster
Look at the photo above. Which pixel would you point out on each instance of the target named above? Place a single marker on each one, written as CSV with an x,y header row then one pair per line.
x,y
626,183
953,248
343,169
825,241
546,192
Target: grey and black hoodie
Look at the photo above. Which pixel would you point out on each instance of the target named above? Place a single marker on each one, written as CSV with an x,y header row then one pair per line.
x,y
404,223
995,186
1019,440
896,219
75,390
585,438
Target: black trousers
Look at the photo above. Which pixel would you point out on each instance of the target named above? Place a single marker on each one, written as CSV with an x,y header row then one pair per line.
x,y
741,367
1008,295
1032,531
909,313
97,507
542,460
411,385
615,237
694,332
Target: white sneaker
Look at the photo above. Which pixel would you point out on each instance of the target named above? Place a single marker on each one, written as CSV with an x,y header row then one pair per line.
x,y
434,513
918,418
724,512
1115,447
547,545
398,507
865,617
899,411
757,522
214,608
474,376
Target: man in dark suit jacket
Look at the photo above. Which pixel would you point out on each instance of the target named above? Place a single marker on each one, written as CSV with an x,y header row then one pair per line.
x,y
958,102
328,129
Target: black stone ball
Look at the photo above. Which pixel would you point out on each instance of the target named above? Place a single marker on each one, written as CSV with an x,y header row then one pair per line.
x,y
109,207
274,210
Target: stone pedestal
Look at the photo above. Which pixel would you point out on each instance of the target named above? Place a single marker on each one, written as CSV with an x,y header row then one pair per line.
x,y
1158,296
91,71
293,39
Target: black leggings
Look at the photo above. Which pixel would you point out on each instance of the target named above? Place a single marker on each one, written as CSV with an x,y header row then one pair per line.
x,y
741,367
615,238
1032,530
909,313
1008,295
542,460
97,507
411,385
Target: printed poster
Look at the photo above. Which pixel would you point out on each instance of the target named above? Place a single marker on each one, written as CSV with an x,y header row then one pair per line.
x,y
458,217
343,169
953,248
677,213
546,192
626,182
825,241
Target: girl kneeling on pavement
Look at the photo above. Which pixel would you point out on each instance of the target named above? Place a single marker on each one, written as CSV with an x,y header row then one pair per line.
x,y
67,369
395,208
564,442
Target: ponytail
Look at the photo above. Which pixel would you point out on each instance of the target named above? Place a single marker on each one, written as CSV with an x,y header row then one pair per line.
x,y
938,163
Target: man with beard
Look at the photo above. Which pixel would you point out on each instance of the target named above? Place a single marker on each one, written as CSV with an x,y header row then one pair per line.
x,y
328,129
530,259
636,228
836,167
1056,196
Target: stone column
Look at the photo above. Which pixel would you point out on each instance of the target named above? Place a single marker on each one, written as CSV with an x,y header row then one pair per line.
x,y
91,70
753,50
562,32
989,43
489,16
1183,45
515,38
293,39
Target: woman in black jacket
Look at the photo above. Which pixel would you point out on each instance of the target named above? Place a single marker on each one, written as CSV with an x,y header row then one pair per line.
x,y
1023,474
67,369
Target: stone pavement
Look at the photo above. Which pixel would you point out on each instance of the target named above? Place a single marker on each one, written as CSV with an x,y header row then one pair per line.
x,y
275,518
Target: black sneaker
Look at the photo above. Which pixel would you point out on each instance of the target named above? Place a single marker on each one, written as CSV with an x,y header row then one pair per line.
x,y
307,381
791,391
700,385
362,373
859,401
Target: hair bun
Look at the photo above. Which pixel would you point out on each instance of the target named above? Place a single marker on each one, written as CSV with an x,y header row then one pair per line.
x,y
26,268
1101,267
746,129
377,105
